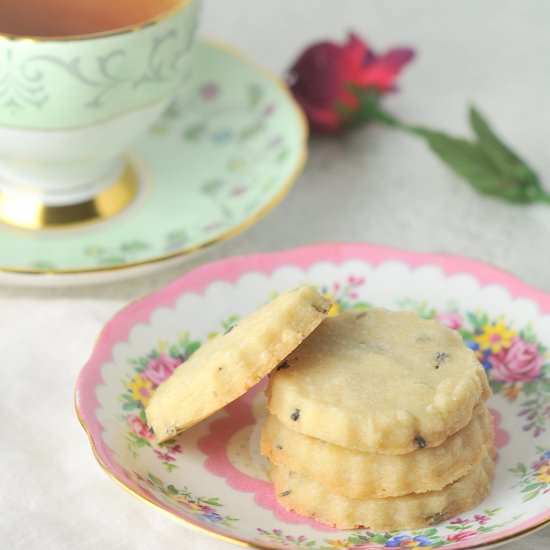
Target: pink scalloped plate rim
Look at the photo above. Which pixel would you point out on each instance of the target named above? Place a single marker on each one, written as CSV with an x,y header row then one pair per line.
x,y
230,270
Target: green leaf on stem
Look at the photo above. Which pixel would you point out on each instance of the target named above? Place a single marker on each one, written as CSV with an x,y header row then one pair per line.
x,y
500,153
487,163
470,161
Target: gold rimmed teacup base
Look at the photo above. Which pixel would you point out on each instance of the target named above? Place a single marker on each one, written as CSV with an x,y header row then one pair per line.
x,y
27,212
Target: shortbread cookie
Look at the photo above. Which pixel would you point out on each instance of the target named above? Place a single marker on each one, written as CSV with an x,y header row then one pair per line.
x,y
356,474
379,381
225,367
305,496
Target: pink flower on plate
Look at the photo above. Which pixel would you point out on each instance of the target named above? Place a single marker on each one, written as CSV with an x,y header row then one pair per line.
x,y
451,319
176,449
461,535
158,370
520,362
501,435
355,280
166,457
138,476
139,427
206,508
482,519
459,521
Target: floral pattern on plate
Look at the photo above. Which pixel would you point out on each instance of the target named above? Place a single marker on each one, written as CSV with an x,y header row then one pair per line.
x,y
459,529
205,509
517,363
211,476
534,479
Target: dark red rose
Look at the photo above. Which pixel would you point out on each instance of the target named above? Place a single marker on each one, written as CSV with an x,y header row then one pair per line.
x,y
323,77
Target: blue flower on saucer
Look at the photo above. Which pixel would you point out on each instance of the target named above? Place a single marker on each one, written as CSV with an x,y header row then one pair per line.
x,y
222,136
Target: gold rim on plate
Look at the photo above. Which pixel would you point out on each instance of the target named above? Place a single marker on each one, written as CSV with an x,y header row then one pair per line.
x,y
243,226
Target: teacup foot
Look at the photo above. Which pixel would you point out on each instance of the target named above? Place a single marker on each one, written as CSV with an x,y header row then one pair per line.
x,y
27,211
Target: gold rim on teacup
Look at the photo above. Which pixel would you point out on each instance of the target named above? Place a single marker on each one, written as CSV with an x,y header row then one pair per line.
x,y
183,4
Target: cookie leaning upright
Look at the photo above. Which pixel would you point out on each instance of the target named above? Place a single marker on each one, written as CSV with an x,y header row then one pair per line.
x,y
379,381
225,367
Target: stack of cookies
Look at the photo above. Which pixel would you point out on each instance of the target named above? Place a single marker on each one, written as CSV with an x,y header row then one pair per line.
x,y
378,420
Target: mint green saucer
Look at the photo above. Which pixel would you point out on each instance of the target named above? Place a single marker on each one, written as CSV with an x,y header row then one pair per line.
x,y
212,166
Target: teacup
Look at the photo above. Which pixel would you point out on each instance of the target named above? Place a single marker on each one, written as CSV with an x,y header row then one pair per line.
x,y
72,104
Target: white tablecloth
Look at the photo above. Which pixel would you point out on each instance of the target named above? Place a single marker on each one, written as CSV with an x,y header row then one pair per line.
x,y
377,186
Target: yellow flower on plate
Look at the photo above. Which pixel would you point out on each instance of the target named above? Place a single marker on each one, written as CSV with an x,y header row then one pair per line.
x,y
191,506
543,475
162,346
338,543
334,310
511,391
142,389
495,337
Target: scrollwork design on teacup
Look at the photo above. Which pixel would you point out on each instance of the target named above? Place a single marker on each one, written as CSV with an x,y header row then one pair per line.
x,y
105,79
26,83
162,67
20,85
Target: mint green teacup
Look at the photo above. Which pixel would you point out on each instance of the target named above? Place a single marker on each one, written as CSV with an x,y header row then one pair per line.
x,y
71,106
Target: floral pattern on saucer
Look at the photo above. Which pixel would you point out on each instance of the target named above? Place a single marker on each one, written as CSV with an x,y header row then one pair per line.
x,y
212,477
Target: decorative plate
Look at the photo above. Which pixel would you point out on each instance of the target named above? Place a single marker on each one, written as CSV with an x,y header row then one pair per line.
x,y
212,477
212,166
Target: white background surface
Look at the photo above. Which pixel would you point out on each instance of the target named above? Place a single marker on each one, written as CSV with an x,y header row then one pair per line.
x,y
376,186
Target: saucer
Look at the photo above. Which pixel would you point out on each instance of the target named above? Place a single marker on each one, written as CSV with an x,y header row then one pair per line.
x,y
212,478
212,166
